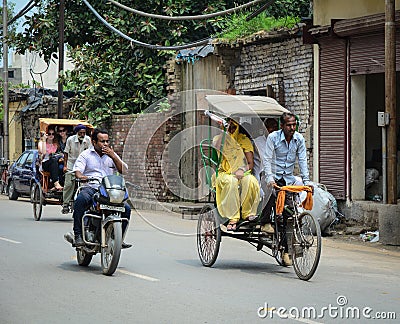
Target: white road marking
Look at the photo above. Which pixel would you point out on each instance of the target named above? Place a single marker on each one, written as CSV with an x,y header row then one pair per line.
x,y
137,275
8,240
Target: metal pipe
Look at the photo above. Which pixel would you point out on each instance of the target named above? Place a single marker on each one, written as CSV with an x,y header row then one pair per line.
x,y
5,82
384,175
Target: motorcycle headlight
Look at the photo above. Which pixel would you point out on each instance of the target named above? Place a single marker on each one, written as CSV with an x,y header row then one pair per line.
x,y
116,195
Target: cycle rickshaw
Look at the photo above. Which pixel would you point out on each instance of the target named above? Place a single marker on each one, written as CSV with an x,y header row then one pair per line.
x,y
42,192
296,231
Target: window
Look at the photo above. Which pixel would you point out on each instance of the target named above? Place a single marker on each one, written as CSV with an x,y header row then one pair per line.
x,y
22,159
29,159
11,74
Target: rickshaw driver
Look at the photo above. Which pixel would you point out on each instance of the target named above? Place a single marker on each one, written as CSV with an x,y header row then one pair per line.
x,y
281,150
234,171
96,162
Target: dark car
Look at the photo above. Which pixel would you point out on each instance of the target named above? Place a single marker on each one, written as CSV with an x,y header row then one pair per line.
x,y
22,174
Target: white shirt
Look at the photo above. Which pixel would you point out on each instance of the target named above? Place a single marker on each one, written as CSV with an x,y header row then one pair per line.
x,y
280,157
92,165
73,148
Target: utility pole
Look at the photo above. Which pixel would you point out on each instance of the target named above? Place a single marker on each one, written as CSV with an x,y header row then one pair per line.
x,y
61,59
5,81
390,99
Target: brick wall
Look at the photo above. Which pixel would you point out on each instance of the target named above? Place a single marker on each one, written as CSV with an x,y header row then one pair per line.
x,y
286,65
142,142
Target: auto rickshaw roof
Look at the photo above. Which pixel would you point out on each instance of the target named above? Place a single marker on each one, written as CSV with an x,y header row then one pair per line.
x,y
46,122
243,105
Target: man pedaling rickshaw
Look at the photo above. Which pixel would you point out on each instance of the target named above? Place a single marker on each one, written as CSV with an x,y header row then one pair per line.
x,y
282,148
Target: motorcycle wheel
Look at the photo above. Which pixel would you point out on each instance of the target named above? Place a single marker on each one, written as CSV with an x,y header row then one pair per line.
x,y
111,252
83,258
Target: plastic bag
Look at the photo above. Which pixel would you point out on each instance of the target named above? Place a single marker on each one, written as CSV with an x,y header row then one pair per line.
x,y
324,206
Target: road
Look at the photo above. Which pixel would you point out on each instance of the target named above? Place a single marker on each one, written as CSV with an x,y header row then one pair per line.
x,y
161,280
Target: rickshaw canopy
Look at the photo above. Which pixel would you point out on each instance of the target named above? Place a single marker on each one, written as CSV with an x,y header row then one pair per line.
x,y
46,122
243,106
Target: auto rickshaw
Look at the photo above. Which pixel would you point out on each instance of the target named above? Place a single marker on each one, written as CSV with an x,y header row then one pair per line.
x,y
42,191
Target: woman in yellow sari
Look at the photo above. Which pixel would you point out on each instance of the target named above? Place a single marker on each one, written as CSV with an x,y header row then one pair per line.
x,y
235,185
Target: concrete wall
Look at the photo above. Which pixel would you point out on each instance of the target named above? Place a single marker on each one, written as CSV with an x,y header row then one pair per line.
x,y
358,139
15,130
34,68
325,10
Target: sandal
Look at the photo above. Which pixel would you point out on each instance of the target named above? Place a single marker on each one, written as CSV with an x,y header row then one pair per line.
x,y
231,227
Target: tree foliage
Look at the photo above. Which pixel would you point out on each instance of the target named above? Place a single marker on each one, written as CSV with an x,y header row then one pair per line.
x,y
111,75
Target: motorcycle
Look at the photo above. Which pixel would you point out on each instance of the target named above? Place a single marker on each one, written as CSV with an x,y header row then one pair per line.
x,y
102,224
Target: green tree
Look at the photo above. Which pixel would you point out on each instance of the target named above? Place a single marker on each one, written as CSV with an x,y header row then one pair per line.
x,y
111,75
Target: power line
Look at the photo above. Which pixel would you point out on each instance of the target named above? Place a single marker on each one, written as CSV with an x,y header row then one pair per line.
x,y
22,12
198,17
136,42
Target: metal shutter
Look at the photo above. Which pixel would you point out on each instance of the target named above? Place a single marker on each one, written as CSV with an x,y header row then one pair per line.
x,y
367,54
332,116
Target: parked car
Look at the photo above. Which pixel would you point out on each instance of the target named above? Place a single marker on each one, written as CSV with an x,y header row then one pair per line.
x,y
22,174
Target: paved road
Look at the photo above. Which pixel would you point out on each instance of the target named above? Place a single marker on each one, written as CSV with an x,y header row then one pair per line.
x,y
161,280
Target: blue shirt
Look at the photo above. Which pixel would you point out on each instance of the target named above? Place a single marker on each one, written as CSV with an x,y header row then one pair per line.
x,y
92,165
280,157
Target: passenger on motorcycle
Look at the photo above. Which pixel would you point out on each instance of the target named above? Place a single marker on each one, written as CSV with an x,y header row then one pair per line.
x,y
96,162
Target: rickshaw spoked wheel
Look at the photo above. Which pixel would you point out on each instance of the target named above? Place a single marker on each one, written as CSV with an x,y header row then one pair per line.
x,y
306,246
37,201
208,235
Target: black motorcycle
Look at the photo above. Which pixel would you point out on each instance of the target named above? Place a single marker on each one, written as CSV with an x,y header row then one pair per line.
x,y
102,224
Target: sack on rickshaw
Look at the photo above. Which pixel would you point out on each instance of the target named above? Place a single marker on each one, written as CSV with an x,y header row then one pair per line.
x,y
324,207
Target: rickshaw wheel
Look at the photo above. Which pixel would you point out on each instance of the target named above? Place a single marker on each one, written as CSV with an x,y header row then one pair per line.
x,y
306,246
208,235
37,201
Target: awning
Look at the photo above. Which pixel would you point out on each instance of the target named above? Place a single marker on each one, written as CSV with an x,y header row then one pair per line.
x,y
241,106
46,122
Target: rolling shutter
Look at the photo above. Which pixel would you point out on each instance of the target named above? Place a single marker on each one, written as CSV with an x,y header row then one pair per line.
x,y
332,116
367,54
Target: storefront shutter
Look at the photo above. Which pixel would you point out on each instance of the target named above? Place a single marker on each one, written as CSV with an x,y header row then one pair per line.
x,y
367,54
332,116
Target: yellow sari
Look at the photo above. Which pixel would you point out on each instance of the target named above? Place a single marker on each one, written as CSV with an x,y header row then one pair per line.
x,y
228,195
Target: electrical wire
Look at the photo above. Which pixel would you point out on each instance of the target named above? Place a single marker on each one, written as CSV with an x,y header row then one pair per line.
x,y
136,42
198,17
22,12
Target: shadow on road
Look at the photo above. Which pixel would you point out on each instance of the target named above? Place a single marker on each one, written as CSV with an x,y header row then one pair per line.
x,y
73,266
246,266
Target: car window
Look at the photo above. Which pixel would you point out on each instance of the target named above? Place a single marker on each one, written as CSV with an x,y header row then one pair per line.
x,y
29,159
22,159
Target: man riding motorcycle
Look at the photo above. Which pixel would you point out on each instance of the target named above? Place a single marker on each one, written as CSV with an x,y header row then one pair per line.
x,y
96,162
